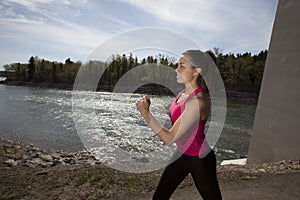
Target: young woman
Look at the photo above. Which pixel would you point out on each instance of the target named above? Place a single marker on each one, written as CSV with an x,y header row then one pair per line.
x,y
189,113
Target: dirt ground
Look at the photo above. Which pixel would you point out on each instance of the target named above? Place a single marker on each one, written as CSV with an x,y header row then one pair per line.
x,y
85,181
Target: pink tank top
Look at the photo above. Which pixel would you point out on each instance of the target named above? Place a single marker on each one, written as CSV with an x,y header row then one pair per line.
x,y
193,142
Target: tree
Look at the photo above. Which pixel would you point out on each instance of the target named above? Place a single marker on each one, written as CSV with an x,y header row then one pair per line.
x,y
150,59
124,65
31,69
217,51
53,72
143,61
68,61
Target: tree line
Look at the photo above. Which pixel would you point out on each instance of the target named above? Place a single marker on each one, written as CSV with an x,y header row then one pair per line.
x,y
240,72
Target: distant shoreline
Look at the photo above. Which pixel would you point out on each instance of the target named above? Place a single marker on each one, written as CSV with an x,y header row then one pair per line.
x,y
152,89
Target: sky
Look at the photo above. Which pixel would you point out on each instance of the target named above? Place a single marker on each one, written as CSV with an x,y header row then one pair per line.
x,y
57,30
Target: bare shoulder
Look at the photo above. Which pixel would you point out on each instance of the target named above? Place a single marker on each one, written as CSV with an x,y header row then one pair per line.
x,y
202,95
201,100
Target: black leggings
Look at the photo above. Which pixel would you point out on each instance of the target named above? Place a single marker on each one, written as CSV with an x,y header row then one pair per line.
x,y
203,171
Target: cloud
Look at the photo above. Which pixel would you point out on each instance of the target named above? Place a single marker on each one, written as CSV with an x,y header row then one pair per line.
x,y
51,25
32,4
77,27
240,22
36,27
145,39
188,13
59,30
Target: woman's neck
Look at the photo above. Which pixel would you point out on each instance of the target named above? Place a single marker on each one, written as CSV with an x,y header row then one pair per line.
x,y
190,88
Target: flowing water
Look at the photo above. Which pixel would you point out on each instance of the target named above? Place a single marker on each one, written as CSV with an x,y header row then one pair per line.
x,y
45,118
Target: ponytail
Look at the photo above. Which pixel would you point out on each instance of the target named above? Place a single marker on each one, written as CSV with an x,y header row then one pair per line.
x,y
200,81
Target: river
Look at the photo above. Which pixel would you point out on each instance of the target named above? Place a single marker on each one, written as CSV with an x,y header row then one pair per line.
x,y
44,118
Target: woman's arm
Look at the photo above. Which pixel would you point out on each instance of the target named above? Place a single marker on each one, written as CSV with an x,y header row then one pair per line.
x,y
187,119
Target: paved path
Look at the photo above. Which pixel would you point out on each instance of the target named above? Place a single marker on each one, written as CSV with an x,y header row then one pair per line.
x,y
267,187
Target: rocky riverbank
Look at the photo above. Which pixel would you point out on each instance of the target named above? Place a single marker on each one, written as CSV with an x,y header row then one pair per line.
x,y
27,172
14,153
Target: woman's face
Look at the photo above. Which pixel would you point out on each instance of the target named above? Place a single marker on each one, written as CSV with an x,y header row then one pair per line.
x,y
186,73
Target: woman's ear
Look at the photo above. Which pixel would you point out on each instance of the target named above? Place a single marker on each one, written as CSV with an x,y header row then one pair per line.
x,y
198,70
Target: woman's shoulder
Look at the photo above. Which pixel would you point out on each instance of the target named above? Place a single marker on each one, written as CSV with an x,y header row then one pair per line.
x,y
202,98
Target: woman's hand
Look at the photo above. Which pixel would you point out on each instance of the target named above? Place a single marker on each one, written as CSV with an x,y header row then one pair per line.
x,y
143,105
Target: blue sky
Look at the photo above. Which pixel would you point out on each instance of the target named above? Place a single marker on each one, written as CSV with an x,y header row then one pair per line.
x,y
57,30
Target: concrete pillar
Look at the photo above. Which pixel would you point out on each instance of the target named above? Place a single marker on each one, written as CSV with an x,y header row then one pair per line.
x,y
276,129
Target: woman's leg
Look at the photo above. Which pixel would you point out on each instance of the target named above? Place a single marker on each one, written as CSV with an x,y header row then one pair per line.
x,y
204,174
172,176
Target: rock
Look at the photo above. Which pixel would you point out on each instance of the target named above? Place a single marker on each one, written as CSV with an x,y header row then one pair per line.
x,y
9,150
55,156
46,157
29,164
11,162
43,172
36,161
25,157
91,162
35,154
19,155
8,145
35,149
67,161
47,164
262,170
